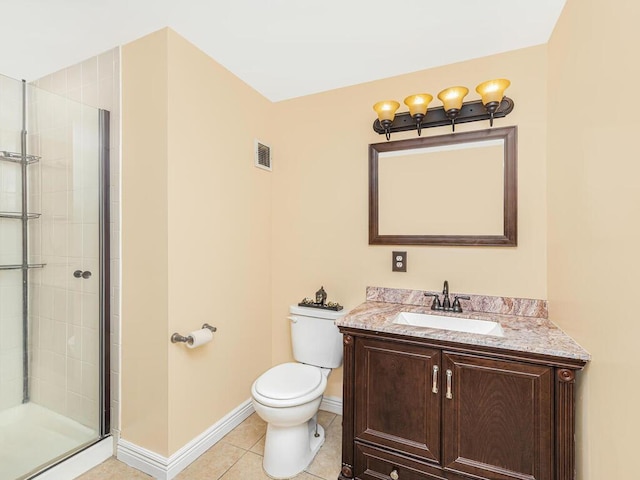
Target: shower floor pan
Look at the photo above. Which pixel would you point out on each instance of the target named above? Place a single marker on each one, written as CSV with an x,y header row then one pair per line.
x,y
31,436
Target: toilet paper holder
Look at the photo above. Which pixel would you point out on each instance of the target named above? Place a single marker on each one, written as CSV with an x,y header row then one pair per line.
x,y
177,338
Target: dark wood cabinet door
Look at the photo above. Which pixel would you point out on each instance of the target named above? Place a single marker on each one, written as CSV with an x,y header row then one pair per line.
x,y
498,420
395,402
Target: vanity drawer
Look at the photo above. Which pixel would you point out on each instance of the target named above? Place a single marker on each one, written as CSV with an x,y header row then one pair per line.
x,y
375,464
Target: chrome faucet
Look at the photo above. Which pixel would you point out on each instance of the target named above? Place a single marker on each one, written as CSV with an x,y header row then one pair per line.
x,y
446,305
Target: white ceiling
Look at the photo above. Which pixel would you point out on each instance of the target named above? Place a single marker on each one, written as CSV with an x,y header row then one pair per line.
x,y
282,48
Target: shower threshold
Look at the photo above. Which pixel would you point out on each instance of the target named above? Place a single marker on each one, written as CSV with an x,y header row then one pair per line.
x,y
31,436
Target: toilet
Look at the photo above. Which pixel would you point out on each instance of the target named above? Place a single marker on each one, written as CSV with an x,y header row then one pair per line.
x,y
288,395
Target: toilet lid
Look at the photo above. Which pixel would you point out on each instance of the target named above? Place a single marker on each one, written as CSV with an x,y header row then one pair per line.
x,y
289,380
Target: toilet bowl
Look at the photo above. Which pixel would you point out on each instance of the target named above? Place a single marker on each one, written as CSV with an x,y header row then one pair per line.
x,y
288,396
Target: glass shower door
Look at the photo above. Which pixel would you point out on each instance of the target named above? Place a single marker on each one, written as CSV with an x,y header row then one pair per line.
x,y
62,330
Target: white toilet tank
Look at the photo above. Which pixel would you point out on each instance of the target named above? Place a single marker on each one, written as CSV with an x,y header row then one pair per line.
x,y
315,338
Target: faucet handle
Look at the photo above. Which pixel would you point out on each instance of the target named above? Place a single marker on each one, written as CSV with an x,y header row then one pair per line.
x,y
456,302
436,305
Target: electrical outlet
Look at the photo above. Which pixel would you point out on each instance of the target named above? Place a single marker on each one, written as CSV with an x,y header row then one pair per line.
x,y
399,261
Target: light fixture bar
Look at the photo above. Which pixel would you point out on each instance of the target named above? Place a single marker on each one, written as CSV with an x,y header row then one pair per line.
x,y
436,117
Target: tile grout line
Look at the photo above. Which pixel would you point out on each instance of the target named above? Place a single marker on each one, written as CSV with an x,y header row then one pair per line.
x,y
234,463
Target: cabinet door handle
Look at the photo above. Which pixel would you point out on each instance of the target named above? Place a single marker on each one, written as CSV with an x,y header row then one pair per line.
x,y
434,387
449,377
394,474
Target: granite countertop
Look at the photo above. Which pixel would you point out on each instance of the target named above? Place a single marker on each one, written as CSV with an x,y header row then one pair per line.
x,y
528,330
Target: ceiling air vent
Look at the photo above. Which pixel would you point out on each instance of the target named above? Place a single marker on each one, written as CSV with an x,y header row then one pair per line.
x,y
263,156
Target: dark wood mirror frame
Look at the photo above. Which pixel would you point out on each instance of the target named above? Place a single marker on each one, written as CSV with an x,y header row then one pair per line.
x,y
510,223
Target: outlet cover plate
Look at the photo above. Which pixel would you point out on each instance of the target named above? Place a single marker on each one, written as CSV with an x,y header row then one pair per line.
x,y
399,261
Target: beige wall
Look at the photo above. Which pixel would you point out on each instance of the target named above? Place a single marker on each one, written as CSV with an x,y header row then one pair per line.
x,y
594,202
196,241
145,249
320,215
219,239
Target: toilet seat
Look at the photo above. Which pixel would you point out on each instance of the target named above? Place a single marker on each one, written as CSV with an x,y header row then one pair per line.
x,y
289,384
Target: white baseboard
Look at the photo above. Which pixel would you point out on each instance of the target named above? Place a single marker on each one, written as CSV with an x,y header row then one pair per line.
x,y
164,468
81,462
331,404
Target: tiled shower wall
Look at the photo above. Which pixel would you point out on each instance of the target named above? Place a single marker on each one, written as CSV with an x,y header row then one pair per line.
x,y
94,82
10,247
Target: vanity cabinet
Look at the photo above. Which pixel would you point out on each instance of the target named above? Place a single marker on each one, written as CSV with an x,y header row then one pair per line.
x,y
418,410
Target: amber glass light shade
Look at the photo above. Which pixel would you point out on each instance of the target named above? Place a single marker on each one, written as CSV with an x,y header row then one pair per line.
x,y
452,97
386,109
418,103
493,90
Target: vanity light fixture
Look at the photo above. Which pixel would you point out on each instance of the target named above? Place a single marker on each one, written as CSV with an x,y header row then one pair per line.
x,y
418,105
451,99
454,110
492,92
386,111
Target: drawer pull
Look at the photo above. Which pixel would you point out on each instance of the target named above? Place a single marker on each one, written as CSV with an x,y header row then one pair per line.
x,y
394,474
449,376
434,388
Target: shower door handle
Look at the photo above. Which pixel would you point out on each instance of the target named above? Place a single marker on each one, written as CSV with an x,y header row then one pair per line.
x,y
80,274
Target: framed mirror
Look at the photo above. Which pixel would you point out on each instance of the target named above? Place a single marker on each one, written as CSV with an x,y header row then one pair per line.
x,y
457,189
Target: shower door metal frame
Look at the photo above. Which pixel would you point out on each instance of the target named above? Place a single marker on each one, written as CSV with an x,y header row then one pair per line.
x,y
26,393
105,271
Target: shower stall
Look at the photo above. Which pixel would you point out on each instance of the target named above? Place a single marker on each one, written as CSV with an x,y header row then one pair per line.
x,y
54,278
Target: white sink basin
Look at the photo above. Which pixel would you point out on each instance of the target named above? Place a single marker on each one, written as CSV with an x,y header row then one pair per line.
x,y
482,327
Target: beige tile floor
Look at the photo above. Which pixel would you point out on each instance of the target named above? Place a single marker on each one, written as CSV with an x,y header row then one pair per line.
x,y
238,456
